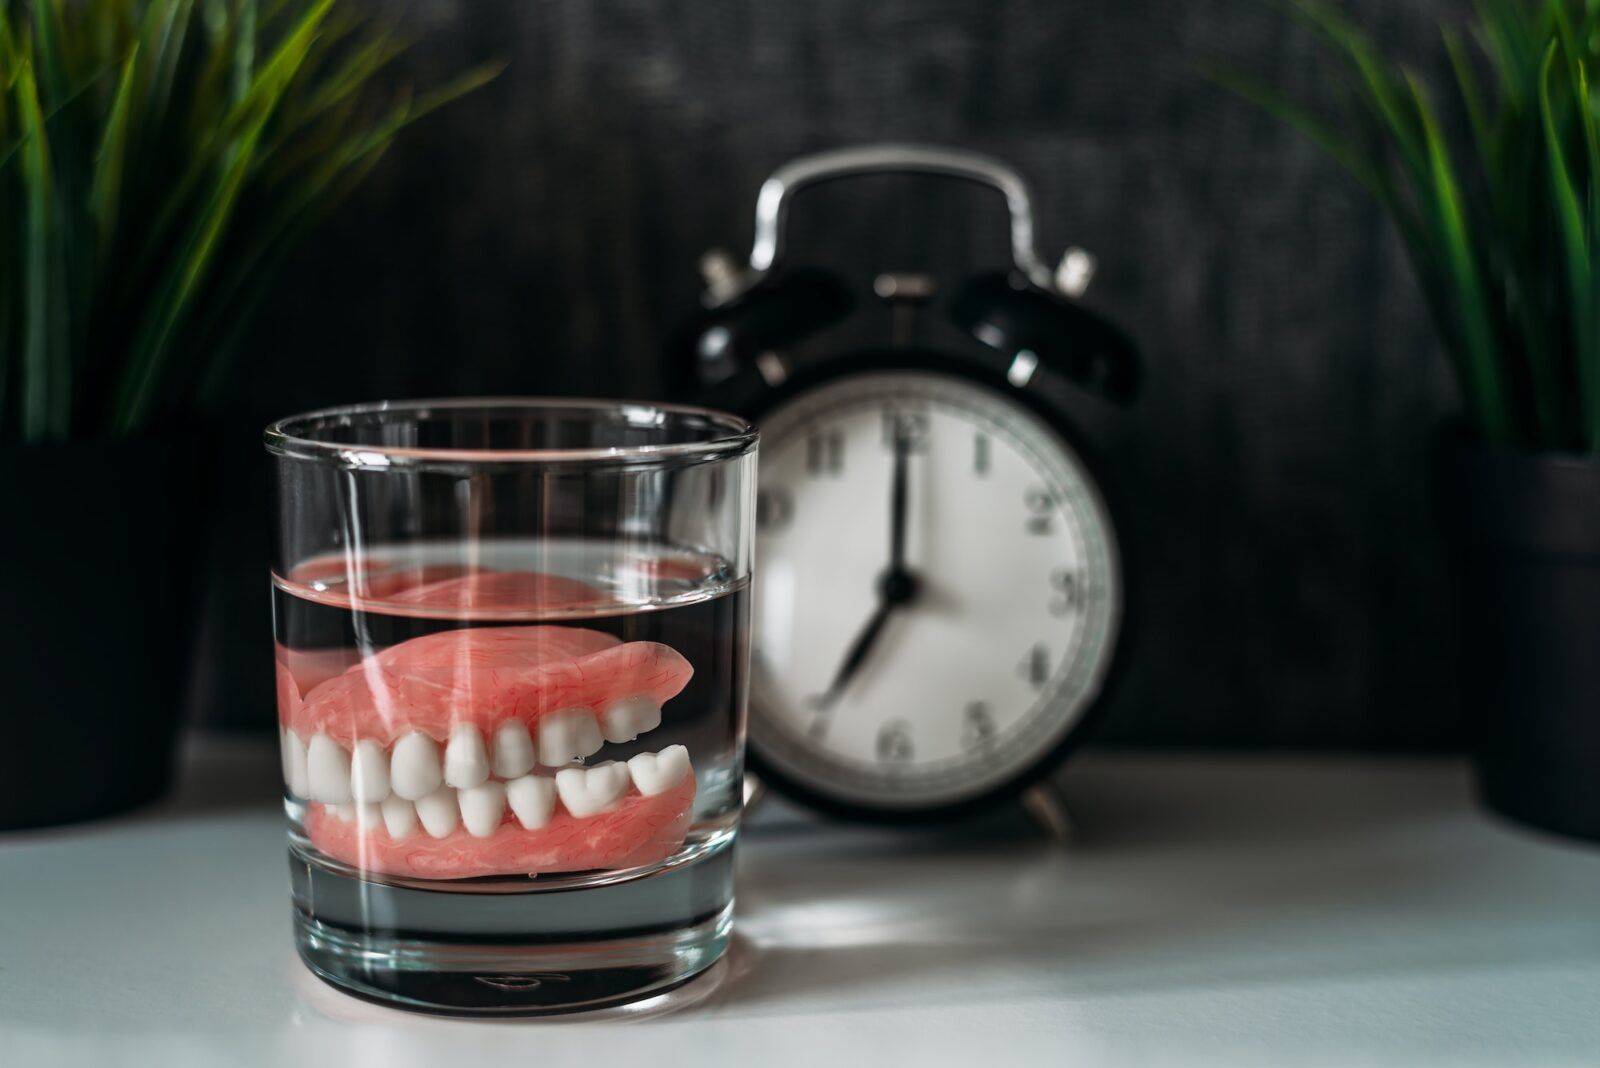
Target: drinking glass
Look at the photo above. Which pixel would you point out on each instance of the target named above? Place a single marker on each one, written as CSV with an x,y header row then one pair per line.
x,y
511,658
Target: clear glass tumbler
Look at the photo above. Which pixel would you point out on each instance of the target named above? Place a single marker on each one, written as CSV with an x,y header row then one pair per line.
x,y
512,652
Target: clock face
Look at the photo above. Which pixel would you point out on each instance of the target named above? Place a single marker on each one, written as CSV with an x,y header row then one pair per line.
x,y
943,675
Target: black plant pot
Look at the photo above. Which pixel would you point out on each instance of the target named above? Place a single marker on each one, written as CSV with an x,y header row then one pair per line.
x,y
1525,534
95,624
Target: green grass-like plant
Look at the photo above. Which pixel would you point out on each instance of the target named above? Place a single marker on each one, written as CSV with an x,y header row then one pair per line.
x,y
158,159
1501,220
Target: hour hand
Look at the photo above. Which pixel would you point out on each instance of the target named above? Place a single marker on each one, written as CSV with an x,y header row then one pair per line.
x,y
856,655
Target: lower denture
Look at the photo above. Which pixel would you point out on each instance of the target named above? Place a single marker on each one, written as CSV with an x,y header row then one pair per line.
x,y
635,831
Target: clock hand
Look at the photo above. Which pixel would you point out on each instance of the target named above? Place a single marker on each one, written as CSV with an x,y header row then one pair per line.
x,y
895,588
897,502
857,654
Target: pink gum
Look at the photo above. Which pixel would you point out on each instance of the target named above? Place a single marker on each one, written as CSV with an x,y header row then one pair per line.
x,y
384,697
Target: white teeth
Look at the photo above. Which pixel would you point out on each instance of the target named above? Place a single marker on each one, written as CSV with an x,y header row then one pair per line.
x,y
588,791
655,773
358,788
532,798
466,763
482,806
400,816
365,815
328,770
566,735
414,769
625,720
294,765
369,772
513,750
439,812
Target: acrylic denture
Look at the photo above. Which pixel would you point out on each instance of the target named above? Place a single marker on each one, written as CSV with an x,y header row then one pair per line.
x,y
439,812
327,770
589,791
482,807
485,676
532,799
369,772
399,816
423,755
414,768
625,720
514,752
656,773
566,735
466,760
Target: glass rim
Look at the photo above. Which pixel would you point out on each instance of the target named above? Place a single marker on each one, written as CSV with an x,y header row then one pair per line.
x,y
286,437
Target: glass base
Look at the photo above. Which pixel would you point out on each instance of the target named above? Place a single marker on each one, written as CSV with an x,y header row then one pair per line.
x,y
533,953
510,981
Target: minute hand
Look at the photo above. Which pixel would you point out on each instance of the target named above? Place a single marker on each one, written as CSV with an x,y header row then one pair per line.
x,y
897,504
895,586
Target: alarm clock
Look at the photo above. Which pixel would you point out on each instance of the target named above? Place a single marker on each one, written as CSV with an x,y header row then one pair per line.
x,y
939,596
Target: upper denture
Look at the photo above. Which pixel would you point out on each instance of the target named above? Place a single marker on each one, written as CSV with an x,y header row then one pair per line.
x,y
481,678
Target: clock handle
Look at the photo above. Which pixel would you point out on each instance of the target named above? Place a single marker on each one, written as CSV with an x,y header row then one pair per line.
x,y
773,201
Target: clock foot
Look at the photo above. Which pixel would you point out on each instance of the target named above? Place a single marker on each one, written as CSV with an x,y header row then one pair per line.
x,y
1045,803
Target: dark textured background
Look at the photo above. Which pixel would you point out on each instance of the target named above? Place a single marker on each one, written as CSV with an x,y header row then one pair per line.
x,y
542,237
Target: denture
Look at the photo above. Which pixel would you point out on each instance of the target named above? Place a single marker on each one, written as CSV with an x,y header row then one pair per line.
x,y
453,755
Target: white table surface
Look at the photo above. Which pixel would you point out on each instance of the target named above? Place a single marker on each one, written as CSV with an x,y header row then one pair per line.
x,y
1234,910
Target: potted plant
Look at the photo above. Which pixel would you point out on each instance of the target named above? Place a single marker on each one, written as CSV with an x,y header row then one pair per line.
x,y
1493,183
158,158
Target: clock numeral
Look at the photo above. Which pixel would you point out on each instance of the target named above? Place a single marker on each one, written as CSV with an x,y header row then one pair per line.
x,y
977,726
774,508
894,742
980,455
1067,590
825,453
1041,510
912,426
1035,667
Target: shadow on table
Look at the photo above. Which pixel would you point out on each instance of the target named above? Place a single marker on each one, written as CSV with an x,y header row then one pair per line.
x,y
1179,878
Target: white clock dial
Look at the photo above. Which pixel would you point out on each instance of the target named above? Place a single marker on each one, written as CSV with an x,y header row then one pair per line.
x,y
1006,640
